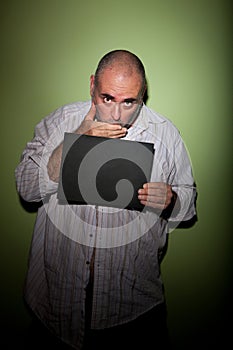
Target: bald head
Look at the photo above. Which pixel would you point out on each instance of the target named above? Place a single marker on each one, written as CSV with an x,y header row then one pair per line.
x,y
124,62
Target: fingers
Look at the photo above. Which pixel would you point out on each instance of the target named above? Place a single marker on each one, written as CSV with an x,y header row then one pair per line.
x,y
155,194
107,130
94,128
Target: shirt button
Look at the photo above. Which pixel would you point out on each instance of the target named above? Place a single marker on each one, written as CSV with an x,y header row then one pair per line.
x,y
87,262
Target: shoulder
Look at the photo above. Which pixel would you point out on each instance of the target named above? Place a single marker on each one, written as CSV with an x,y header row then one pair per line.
x,y
70,109
66,117
160,124
76,106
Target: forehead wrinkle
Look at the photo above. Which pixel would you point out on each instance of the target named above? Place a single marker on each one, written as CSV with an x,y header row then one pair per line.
x,y
120,85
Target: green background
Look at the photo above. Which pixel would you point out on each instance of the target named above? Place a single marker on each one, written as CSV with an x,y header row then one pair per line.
x,y
48,51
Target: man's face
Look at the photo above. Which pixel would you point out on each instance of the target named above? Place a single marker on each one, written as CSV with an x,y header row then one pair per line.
x,y
117,96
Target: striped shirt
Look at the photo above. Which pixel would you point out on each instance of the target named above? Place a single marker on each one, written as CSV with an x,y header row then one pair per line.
x,y
121,247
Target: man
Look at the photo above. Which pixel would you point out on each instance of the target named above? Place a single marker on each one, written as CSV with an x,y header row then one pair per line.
x,y
94,272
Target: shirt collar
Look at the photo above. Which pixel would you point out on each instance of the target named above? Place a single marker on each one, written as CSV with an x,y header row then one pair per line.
x,y
146,117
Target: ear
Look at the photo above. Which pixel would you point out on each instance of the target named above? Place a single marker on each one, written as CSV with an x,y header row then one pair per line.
x,y
144,95
92,85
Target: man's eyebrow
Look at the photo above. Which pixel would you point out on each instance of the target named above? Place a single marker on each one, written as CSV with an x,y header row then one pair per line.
x,y
129,99
108,96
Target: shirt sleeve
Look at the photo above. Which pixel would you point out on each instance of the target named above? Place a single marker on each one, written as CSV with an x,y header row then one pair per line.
x,y
182,182
32,180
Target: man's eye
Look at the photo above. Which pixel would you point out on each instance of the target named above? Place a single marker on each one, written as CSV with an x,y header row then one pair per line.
x,y
107,100
128,103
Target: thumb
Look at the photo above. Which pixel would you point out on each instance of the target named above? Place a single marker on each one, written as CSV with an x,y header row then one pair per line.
x,y
92,111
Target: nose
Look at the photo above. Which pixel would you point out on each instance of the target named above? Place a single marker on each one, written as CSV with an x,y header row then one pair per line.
x,y
116,111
